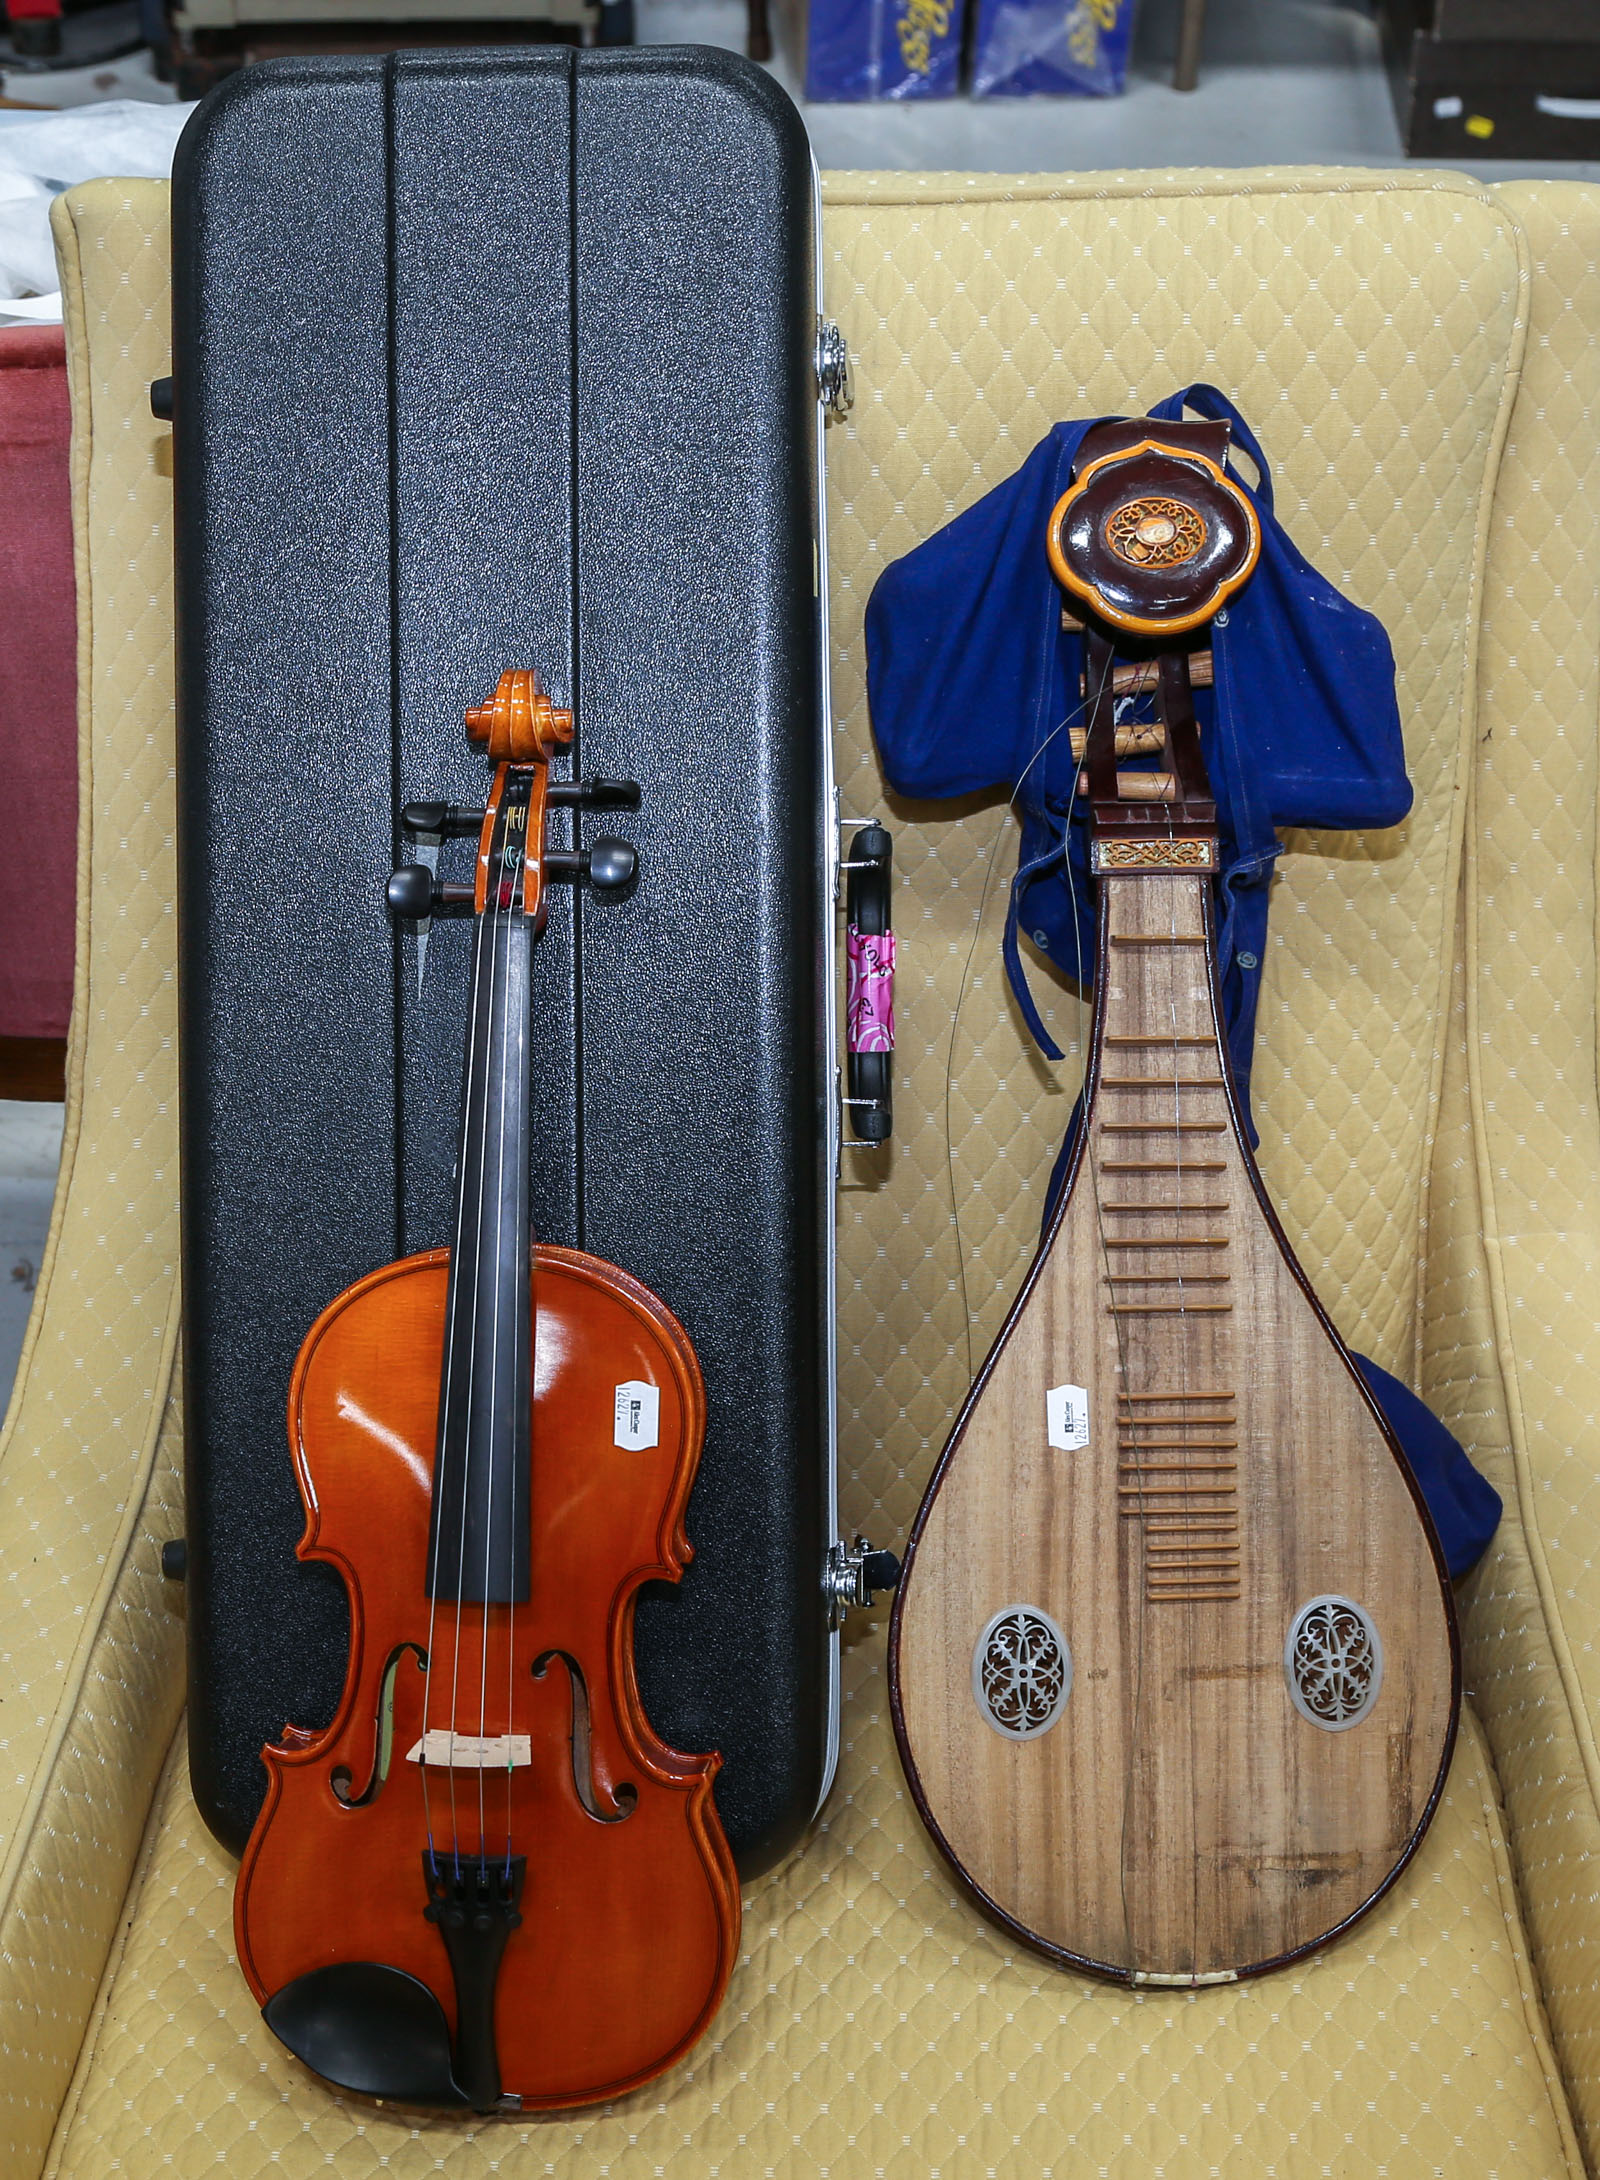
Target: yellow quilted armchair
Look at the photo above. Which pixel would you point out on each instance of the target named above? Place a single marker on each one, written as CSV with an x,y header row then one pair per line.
x,y
1420,356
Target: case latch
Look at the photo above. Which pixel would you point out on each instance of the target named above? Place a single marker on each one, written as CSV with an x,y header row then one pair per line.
x,y
835,387
852,1576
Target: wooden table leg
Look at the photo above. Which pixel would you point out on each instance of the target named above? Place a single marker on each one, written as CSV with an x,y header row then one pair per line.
x,y
1186,72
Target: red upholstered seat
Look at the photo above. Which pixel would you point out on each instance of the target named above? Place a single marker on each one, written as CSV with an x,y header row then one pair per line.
x,y
38,687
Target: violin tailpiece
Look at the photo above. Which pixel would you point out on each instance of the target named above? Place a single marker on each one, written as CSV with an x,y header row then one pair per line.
x,y
475,1901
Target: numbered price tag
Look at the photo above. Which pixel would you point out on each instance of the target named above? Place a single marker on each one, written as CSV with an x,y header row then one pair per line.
x,y
1066,1409
638,1423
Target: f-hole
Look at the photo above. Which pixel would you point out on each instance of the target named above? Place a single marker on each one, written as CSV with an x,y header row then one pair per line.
x,y
340,1778
624,1798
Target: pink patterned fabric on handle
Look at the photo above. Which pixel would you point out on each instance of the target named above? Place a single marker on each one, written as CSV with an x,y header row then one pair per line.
x,y
869,990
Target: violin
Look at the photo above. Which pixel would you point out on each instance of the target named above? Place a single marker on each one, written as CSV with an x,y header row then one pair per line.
x,y
488,1883
1173,1664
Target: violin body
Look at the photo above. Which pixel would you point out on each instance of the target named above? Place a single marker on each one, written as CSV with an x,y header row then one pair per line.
x,y
590,1997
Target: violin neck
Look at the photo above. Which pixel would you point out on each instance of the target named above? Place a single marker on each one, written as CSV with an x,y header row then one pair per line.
x,y
479,1544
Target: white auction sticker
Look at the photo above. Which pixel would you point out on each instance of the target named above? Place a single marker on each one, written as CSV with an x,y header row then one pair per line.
x,y
638,1416
1066,1411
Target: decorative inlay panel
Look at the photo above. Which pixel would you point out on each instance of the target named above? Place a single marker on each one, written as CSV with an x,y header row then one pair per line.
x,y
1153,855
1333,1662
1155,532
1021,1672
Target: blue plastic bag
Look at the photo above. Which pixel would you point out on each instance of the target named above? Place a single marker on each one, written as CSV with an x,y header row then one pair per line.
x,y
869,49
1050,48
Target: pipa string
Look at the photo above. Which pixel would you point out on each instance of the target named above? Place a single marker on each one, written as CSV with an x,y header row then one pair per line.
x,y
1062,726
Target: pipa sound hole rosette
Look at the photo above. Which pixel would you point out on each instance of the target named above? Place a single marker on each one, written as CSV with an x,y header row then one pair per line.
x,y
1021,1672
1333,1663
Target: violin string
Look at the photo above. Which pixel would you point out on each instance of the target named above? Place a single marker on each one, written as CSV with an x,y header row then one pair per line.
x,y
479,984
521,1361
504,930
490,941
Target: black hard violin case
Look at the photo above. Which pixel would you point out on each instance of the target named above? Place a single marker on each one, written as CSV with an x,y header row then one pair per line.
x,y
487,360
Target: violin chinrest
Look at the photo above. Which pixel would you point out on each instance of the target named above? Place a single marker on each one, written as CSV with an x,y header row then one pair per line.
x,y
367,2028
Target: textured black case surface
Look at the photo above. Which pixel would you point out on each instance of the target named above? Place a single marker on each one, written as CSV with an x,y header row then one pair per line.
x,y
486,360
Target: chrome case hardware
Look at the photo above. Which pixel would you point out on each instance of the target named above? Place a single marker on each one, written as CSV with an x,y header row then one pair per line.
x,y
835,387
852,1575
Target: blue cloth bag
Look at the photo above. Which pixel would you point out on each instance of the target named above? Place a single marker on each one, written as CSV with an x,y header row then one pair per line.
x,y
973,684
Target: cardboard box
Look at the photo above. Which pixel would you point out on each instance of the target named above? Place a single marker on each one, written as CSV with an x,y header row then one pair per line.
x,y
1517,97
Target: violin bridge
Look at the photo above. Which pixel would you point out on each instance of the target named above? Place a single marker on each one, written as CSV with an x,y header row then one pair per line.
x,y
471,1751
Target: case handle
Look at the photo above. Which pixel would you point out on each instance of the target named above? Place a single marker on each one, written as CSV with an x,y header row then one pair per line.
x,y
869,987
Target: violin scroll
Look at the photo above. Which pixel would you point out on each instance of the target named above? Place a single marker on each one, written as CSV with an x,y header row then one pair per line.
x,y
519,723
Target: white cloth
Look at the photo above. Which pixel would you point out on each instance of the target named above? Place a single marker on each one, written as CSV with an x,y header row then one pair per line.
x,y
42,154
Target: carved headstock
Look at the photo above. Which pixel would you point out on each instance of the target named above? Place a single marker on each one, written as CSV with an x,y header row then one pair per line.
x,y
1150,541
1153,537
522,730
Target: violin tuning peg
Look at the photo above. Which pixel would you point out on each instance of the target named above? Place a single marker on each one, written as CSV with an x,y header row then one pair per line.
x,y
413,892
440,818
612,864
594,794
410,892
607,864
